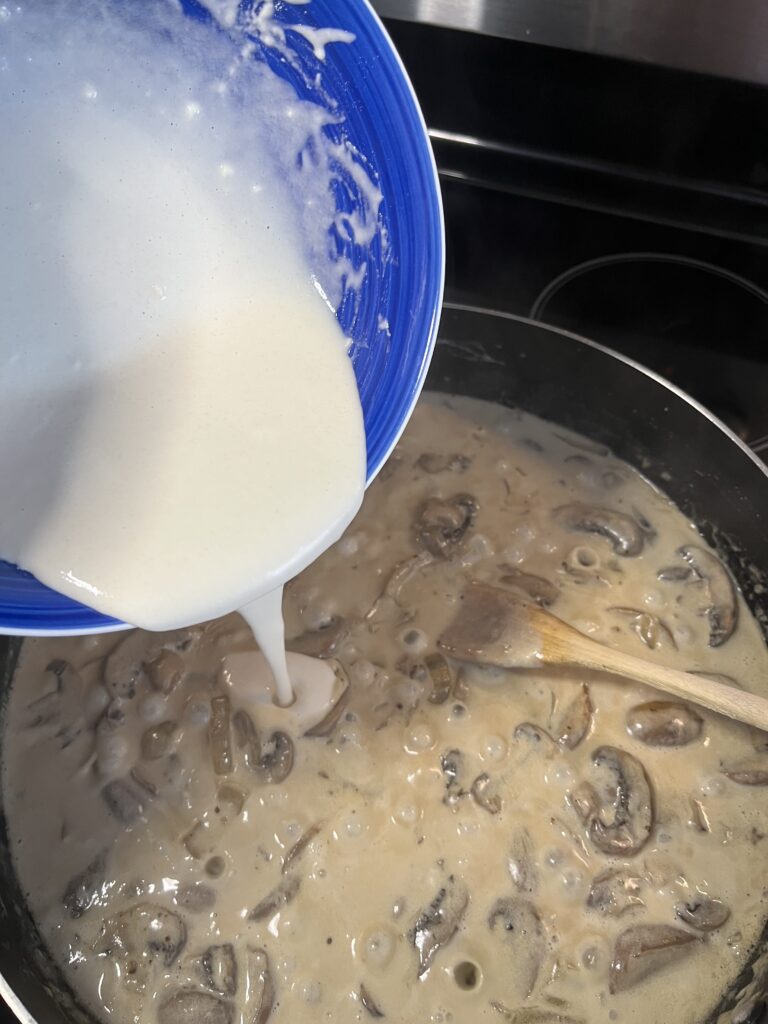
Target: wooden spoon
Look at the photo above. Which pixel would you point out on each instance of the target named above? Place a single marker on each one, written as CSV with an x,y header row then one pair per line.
x,y
496,627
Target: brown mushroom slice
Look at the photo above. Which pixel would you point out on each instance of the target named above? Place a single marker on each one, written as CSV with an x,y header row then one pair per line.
x,y
432,462
452,767
190,1006
260,988
220,968
644,949
219,735
339,697
535,1015
517,921
442,523
624,533
86,889
537,588
488,629
650,629
323,642
632,813
437,924
197,897
521,861
722,608
441,677
575,721
614,892
704,913
156,740
128,660
387,607
204,835
482,792
61,708
165,671
277,757
664,723
369,1003
300,845
275,900
122,801
247,739
144,933
747,774
537,737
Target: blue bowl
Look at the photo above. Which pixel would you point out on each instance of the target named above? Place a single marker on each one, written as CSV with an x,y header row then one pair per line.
x,y
392,318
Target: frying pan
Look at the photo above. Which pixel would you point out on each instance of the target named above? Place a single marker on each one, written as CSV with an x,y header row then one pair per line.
x,y
711,475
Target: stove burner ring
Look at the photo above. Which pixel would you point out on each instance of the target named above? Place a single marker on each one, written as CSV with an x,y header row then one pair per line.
x,y
554,286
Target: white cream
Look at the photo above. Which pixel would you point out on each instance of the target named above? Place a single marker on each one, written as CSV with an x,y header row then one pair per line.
x,y
178,414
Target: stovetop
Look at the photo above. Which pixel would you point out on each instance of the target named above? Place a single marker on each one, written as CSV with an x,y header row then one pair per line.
x,y
620,201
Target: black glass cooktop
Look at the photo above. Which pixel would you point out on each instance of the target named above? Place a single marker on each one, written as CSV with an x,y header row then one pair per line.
x,y
620,201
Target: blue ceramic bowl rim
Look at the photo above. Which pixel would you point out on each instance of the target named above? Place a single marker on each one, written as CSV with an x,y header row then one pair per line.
x,y
23,620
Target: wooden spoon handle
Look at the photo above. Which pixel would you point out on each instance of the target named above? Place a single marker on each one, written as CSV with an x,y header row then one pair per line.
x,y
726,700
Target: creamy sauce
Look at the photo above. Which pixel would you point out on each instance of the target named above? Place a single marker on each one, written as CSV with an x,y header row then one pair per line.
x,y
178,411
421,854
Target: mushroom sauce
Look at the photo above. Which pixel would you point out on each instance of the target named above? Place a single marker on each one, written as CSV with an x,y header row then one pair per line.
x,y
443,840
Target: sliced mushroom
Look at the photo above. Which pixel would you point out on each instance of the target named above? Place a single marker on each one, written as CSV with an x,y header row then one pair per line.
x,y
623,531
489,629
219,735
165,671
664,723
387,607
441,676
127,661
196,897
277,756
537,588
483,795
517,921
575,721
220,969
747,774
323,642
704,913
722,607
260,988
644,949
85,890
614,892
156,740
632,813
190,1006
247,739
431,462
438,923
452,767
369,1003
300,845
123,802
441,524
61,708
537,737
650,629
521,861
144,933
205,834
340,698
534,1015
275,900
